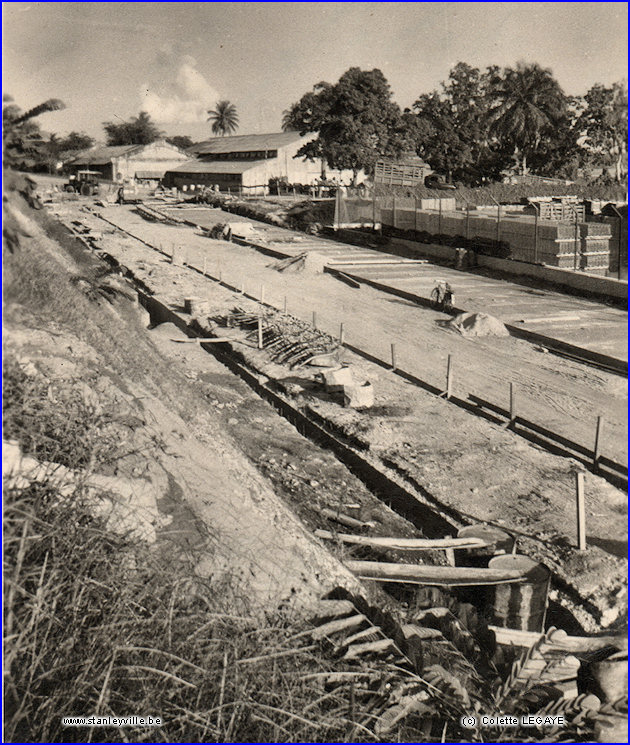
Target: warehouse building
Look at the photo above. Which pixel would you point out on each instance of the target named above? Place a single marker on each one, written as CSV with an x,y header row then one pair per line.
x,y
130,162
247,163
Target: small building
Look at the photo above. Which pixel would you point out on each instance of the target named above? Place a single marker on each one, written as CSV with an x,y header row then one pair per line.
x,y
130,162
247,162
408,170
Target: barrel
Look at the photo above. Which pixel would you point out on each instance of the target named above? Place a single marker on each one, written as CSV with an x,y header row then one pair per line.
x,y
521,605
500,543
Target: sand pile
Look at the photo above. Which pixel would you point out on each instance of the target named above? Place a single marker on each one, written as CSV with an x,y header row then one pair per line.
x,y
478,324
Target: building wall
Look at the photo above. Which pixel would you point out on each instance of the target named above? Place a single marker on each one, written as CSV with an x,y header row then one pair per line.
x,y
158,156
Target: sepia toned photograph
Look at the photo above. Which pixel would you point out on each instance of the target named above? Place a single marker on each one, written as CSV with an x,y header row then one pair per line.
x,y
315,360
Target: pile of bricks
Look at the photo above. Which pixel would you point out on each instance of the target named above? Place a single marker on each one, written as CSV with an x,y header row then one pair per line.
x,y
585,246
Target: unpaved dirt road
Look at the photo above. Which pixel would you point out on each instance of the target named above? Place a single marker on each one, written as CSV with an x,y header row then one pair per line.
x,y
564,396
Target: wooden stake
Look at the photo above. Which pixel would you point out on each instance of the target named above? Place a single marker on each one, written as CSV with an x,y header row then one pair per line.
x,y
314,320
205,265
341,333
449,377
262,293
581,511
260,333
393,348
512,405
598,439
243,287
284,307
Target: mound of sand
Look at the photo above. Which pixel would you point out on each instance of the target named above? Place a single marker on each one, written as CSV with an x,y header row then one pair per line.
x,y
478,324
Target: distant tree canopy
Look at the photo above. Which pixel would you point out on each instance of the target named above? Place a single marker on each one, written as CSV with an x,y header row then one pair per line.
x,y
224,118
604,123
355,120
478,124
139,130
183,142
75,141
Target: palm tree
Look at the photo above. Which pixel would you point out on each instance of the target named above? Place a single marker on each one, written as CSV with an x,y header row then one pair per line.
x,y
23,145
528,103
224,118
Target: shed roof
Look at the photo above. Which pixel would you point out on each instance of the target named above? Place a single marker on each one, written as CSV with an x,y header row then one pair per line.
x,y
246,143
219,166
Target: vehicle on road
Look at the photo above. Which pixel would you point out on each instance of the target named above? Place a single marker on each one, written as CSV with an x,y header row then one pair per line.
x,y
85,183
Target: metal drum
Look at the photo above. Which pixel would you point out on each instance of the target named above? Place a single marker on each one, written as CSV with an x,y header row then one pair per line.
x,y
521,605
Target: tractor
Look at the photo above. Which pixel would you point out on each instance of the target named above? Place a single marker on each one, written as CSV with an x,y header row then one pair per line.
x,y
84,183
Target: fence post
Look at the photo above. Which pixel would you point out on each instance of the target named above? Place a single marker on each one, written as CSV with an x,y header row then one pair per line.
x,y
498,225
284,307
581,511
337,210
535,234
314,319
393,349
394,210
415,214
374,207
467,223
598,440
260,333
575,244
512,405
449,377
205,265
341,333
440,217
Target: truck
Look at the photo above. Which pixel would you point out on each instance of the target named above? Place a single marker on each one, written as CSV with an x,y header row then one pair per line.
x,y
84,183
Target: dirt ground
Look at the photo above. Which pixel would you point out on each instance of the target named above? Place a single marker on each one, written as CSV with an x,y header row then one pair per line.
x,y
564,396
459,463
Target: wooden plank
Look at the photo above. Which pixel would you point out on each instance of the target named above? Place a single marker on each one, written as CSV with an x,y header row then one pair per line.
x,y
432,575
404,544
558,640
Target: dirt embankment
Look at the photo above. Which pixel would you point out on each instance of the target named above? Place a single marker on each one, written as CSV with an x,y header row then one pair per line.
x,y
204,493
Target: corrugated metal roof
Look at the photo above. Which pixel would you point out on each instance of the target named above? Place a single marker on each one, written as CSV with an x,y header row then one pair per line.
x,y
217,166
150,174
246,143
104,154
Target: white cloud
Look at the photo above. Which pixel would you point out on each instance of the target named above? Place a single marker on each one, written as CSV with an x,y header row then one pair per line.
x,y
185,101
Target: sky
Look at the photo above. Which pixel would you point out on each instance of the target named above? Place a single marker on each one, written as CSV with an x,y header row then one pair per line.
x,y
108,61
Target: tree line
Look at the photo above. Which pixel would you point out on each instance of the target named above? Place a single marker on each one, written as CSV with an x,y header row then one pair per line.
x,y
26,147
475,126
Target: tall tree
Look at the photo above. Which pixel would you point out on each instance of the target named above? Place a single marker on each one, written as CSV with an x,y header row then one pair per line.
x,y
23,144
355,120
528,104
139,130
456,139
224,118
604,123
